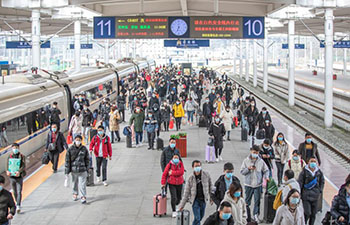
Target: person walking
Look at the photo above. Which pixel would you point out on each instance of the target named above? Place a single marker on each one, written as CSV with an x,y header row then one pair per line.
x,y
178,113
76,124
150,125
217,130
289,183
7,204
340,209
137,119
222,216
88,121
121,100
308,149
281,151
296,164
165,114
252,114
227,118
190,108
168,153
114,118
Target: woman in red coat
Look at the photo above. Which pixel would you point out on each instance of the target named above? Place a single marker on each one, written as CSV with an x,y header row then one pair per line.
x,y
173,175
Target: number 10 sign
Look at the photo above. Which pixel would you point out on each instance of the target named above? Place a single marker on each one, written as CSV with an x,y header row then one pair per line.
x,y
104,27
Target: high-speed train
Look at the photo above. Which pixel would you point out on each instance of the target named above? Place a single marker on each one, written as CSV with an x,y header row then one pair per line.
x,y
27,97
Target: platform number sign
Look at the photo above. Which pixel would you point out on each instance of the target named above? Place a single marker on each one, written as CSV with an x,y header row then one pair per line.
x,y
253,27
104,27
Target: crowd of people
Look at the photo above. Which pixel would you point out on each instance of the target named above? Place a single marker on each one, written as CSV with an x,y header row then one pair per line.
x,y
163,97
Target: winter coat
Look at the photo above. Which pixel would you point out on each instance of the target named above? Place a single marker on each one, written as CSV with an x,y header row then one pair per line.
x,y
296,166
254,178
7,205
285,217
106,146
178,111
219,106
289,185
251,114
190,191
190,105
137,119
227,119
167,155
121,102
61,143
269,132
218,131
165,113
88,119
172,99
55,116
302,151
177,172
214,219
340,206
212,97
267,151
114,117
261,119
239,209
281,152
305,178
207,110
76,124
220,189
77,159
153,101
235,95
150,125
22,167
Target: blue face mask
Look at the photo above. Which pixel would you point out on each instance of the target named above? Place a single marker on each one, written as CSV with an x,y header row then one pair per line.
x,y
237,194
226,216
229,175
172,145
176,161
294,201
1,187
254,155
280,138
264,112
295,158
100,133
54,129
197,169
313,165
15,151
308,140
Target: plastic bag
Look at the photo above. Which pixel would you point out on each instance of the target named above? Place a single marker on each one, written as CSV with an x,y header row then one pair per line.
x,y
69,139
171,124
272,187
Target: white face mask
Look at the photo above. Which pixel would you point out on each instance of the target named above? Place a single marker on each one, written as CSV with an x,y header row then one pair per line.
x,y
77,143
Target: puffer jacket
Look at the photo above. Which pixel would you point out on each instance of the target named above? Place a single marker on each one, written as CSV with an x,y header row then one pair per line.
x,y
150,125
165,113
340,206
227,119
178,111
281,152
113,120
190,191
254,178
239,209
190,105
214,219
285,217
137,119
251,114
177,172
220,189
87,118
218,131
306,177
77,159
76,124
296,166
167,155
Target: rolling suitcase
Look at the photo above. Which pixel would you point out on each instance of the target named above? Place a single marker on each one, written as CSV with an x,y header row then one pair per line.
x,y
159,204
244,134
90,177
269,212
183,217
209,154
160,144
128,142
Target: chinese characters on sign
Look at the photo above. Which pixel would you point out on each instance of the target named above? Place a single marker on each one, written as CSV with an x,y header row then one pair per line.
x,y
216,27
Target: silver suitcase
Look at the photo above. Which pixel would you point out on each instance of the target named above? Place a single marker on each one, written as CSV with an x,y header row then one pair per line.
x,y
183,217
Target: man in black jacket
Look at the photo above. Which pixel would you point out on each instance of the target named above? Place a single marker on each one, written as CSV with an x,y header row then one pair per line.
x,y
7,204
223,216
223,184
308,148
121,105
55,144
252,114
217,130
207,110
340,205
88,121
168,153
263,116
55,115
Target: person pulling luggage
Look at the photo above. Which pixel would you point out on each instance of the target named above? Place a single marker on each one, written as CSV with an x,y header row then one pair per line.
x,y
217,130
150,125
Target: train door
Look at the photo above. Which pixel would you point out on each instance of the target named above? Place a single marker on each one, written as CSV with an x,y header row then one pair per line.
x,y
69,101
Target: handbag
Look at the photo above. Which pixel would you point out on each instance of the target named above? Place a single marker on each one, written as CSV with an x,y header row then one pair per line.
x,y
51,147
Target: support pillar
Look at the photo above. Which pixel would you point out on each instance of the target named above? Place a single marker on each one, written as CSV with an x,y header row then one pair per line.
x,y
328,75
247,62
291,62
255,69
106,51
77,52
36,38
311,62
234,59
240,59
344,62
265,61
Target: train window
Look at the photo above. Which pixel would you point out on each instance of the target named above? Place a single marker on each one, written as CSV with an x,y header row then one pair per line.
x,y
22,126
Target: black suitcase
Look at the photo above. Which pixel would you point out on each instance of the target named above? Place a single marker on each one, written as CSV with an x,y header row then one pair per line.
x,y
128,142
260,134
160,144
183,217
92,133
202,121
269,212
90,177
244,134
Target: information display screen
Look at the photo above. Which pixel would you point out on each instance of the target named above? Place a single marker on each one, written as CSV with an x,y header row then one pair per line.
x,y
141,27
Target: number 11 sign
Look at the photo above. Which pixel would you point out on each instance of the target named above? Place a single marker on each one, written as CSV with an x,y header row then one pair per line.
x,y
104,27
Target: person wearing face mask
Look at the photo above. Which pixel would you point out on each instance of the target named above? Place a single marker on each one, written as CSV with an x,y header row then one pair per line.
x,y
16,175
178,113
153,100
291,212
222,217
77,164
150,125
88,121
234,196
101,145
228,93
173,176
197,192
7,204
55,145
168,153
340,209
207,109
252,114
311,181
267,154
165,113
223,184
55,113
289,183
308,148
227,118
269,130
235,96
262,117
114,118
296,164
137,119
219,105
76,124
217,130
212,96
190,108
172,97
121,106
281,151
254,169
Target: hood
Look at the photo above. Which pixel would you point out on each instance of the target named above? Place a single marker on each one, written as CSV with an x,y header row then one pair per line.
x,y
293,180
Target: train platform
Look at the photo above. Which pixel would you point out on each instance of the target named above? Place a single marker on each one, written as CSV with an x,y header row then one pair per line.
x,y
134,178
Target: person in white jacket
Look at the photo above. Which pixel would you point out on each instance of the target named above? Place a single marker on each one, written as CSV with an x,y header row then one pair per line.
x,y
190,108
296,164
76,124
281,150
234,196
227,118
289,183
291,212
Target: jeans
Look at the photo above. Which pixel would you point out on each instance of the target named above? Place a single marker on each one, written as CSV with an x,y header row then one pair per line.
x,y
151,136
101,161
280,168
249,192
190,116
138,137
105,124
86,131
54,156
198,209
79,183
228,135
17,185
175,193
6,223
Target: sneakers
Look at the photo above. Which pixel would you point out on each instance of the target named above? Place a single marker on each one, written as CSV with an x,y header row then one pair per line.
x,y
105,183
174,214
75,197
83,200
18,209
256,218
217,160
99,180
220,158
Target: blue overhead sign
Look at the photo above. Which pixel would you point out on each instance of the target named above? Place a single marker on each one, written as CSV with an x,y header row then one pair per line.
x,y
82,46
254,27
104,27
296,46
23,44
186,43
337,44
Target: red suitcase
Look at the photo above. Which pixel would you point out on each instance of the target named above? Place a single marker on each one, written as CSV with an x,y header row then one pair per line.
x,y
159,205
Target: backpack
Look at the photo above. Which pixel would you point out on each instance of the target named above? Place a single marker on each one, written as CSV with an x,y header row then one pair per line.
x,y
127,131
278,199
301,162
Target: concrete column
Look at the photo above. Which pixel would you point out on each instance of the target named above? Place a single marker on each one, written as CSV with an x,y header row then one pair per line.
x,y
36,38
328,75
311,61
247,61
234,58
240,59
255,69
106,51
77,58
344,61
265,61
9,51
291,62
